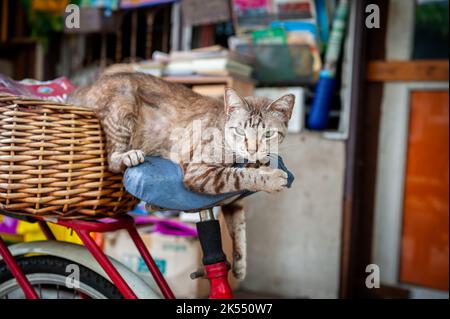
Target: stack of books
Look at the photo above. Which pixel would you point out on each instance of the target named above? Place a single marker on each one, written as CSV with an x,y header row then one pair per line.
x,y
209,61
154,68
286,36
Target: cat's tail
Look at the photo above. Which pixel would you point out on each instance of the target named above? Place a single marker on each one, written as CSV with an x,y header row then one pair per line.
x,y
234,216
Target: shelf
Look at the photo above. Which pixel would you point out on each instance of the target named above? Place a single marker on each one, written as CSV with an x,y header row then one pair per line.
x,y
204,79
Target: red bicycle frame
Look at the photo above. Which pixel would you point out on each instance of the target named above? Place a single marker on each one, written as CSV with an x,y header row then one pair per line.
x,y
217,273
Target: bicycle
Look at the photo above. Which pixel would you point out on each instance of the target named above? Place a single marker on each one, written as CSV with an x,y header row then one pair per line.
x,y
43,264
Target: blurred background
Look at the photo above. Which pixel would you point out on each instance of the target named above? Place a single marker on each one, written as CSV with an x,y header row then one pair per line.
x,y
368,139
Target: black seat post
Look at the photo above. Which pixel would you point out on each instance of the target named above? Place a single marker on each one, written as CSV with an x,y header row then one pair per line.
x,y
210,239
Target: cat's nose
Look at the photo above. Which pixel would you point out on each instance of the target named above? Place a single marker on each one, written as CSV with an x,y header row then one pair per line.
x,y
251,151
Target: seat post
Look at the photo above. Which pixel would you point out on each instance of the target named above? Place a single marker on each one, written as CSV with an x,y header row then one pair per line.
x,y
210,239
206,214
214,259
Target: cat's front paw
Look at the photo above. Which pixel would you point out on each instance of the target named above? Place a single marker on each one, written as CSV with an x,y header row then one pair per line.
x,y
117,162
133,158
273,180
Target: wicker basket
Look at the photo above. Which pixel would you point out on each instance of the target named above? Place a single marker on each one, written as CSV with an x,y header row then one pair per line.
x,y
53,162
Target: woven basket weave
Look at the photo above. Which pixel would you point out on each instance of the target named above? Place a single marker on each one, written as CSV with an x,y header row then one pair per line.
x,y
53,162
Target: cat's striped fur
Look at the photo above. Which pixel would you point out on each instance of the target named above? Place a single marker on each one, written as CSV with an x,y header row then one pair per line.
x,y
143,115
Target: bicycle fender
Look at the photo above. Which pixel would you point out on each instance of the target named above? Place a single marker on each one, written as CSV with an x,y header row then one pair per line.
x,y
143,288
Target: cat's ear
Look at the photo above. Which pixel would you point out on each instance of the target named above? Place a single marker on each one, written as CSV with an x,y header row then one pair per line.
x,y
233,101
283,106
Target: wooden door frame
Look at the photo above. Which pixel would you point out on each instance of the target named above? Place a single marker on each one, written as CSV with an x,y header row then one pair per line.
x,y
367,87
391,175
361,149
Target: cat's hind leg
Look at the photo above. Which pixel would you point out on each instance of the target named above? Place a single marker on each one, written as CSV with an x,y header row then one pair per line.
x,y
234,216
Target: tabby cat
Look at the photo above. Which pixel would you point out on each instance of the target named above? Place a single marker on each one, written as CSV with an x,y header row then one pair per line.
x,y
144,115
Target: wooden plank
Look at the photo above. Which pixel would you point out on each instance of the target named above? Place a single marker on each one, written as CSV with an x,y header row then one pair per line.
x,y
414,70
361,151
5,21
244,88
424,253
197,79
215,90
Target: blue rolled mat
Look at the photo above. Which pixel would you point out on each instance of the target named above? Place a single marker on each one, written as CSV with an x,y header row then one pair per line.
x,y
159,182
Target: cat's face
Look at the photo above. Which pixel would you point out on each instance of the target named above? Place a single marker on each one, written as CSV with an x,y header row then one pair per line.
x,y
255,126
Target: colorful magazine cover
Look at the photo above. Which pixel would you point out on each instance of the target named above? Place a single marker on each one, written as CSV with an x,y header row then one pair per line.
x,y
131,4
54,90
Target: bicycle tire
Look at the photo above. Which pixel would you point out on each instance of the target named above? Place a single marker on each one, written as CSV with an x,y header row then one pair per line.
x,y
58,266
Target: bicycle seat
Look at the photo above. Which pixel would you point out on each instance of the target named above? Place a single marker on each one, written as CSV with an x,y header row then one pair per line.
x,y
159,182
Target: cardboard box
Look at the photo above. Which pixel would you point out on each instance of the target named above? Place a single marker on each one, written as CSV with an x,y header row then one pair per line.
x,y
177,257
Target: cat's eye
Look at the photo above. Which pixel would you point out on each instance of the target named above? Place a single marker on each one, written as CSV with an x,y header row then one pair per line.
x,y
269,134
239,131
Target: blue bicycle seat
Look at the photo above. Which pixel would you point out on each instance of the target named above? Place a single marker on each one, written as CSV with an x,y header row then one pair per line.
x,y
159,182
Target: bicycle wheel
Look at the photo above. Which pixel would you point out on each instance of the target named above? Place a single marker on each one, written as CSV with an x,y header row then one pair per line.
x,y
49,274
